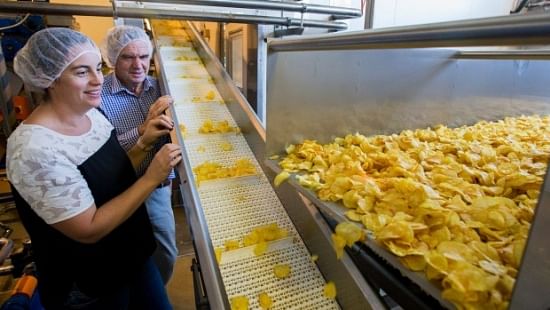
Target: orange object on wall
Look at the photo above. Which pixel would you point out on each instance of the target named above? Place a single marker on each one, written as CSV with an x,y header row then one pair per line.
x,y
22,107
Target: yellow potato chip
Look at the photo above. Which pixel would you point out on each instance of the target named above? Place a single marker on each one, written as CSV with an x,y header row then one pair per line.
x,y
239,303
260,248
280,178
265,301
231,245
330,290
281,271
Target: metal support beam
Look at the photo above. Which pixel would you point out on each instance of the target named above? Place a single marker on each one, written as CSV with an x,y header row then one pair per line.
x,y
261,81
107,11
508,30
270,5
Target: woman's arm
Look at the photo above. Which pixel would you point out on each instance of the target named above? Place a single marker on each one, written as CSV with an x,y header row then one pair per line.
x,y
95,223
154,128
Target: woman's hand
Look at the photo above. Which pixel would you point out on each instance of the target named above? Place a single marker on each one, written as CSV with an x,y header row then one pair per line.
x,y
163,162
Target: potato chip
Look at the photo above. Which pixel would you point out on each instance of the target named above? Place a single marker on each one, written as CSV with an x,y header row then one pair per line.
x,y
280,178
265,301
350,232
239,303
414,262
231,245
338,243
260,248
281,271
218,252
329,291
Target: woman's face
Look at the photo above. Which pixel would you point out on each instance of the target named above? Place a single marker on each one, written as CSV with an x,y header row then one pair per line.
x,y
80,84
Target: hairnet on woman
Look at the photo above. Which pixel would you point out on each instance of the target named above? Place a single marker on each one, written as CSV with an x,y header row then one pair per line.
x,y
48,53
75,188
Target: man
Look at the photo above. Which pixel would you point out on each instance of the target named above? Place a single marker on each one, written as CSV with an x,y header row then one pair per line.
x,y
131,99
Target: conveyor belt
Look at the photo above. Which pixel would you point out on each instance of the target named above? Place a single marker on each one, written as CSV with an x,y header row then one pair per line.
x,y
233,207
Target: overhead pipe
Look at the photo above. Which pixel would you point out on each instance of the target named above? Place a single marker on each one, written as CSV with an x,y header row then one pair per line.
x,y
107,11
269,5
508,30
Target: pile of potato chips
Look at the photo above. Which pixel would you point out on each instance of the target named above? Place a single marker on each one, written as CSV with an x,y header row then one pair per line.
x,y
454,203
209,126
211,170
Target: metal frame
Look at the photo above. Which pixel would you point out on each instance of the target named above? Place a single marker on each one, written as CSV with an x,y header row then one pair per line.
x,y
269,5
168,13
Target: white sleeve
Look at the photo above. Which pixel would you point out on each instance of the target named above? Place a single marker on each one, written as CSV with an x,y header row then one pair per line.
x,y
49,182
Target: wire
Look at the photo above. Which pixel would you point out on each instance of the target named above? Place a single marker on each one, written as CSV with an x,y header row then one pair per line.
x,y
16,24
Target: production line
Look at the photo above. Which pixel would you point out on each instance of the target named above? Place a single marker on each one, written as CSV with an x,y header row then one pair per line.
x,y
216,135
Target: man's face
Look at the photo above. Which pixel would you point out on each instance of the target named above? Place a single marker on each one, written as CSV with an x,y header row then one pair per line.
x,y
133,64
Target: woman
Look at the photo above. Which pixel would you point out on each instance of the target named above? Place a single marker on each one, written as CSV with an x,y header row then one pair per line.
x,y
75,187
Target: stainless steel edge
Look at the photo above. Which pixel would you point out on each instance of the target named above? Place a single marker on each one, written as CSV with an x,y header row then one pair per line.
x,y
94,10
212,278
533,280
508,54
270,5
507,30
372,297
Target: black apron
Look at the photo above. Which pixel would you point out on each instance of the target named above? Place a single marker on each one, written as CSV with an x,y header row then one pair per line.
x,y
100,268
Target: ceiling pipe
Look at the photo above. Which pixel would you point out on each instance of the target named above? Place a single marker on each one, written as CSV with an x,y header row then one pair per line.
x,y
268,5
107,11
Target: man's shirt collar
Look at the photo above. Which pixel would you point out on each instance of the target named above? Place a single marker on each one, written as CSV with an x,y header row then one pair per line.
x,y
117,85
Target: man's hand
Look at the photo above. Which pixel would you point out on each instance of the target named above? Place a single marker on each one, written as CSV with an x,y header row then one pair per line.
x,y
155,110
155,128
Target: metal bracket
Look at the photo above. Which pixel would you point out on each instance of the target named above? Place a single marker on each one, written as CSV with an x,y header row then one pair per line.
x,y
288,31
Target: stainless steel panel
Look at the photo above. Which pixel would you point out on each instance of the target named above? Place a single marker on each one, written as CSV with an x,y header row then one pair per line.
x,y
323,94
